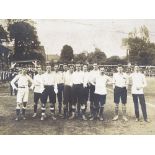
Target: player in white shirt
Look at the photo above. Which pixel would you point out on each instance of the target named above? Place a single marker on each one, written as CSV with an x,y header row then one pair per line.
x,y
92,74
68,92
77,90
85,91
22,80
100,82
138,82
120,85
50,90
60,85
38,89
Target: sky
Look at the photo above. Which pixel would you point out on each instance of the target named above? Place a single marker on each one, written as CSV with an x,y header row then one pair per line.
x,y
85,35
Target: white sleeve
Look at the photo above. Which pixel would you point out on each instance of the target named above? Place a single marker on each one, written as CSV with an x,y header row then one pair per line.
x,y
13,81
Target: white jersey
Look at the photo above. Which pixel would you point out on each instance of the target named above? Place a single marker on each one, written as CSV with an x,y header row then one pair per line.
x,y
120,79
101,82
78,77
38,84
22,81
92,75
86,77
138,82
68,78
59,77
49,79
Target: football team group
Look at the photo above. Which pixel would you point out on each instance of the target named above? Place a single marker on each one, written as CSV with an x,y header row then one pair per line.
x,y
74,87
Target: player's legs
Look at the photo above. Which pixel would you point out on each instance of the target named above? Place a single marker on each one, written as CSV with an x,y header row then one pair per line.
x,y
20,95
44,101
124,101
25,100
102,101
92,96
52,99
136,106
66,100
116,101
18,111
60,95
96,107
143,106
37,96
74,101
84,94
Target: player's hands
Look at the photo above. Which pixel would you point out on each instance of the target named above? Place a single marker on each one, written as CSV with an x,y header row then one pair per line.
x,y
55,90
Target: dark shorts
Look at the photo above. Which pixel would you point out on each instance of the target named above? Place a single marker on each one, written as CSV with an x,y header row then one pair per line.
x,y
77,93
49,92
92,95
120,93
37,97
100,100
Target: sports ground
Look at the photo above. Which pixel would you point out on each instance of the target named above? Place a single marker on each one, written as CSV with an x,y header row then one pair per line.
x,y
30,126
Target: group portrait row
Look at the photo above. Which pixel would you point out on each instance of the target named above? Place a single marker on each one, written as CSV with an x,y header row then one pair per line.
x,y
75,90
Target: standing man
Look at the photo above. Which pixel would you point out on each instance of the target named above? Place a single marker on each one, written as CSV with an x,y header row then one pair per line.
x,y
23,91
138,83
120,85
60,85
92,74
68,82
50,90
38,89
77,90
100,82
85,91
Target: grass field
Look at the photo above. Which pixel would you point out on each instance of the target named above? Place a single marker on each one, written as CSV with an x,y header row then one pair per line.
x,y
8,125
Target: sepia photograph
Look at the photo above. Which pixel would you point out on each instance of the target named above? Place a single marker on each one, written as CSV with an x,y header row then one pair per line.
x,y
77,76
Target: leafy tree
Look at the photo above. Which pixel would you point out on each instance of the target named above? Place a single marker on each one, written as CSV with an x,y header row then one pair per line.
x,y
82,58
115,60
141,50
25,37
97,56
66,54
